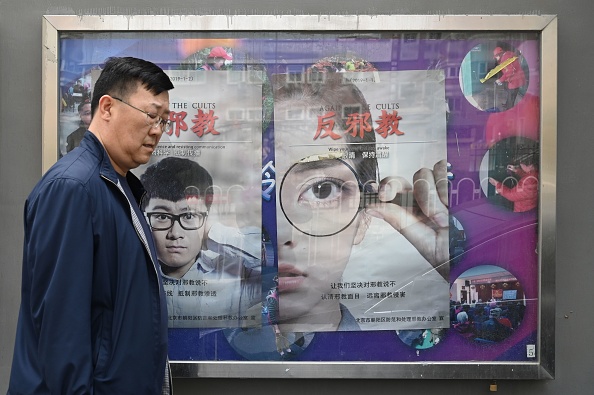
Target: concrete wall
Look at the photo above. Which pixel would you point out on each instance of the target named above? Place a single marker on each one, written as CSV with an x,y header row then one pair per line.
x,y
20,168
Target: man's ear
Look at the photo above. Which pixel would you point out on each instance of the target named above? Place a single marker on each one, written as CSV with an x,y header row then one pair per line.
x,y
364,223
104,107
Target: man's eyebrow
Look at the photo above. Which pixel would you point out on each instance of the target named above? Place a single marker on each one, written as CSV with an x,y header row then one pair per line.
x,y
167,209
158,107
161,208
317,165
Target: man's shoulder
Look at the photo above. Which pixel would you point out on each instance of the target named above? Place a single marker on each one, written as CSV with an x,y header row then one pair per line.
x,y
507,55
83,164
77,169
80,165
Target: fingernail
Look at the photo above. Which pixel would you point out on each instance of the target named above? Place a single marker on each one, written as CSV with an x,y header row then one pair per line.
x,y
385,193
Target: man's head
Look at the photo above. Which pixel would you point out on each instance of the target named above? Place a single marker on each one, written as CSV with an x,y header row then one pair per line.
x,y
527,158
130,108
217,56
179,195
84,111
497,52
462,317
495,313
121,77
219,52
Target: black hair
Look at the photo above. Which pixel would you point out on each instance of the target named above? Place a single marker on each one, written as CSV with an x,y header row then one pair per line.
x,y
333,90
82,104
120,77
171,177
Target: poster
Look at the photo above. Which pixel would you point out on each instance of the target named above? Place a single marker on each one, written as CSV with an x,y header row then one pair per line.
x,y
448,100
206,169
336,138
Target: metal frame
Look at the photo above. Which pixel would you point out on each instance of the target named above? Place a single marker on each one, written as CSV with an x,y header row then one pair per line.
x,y
544,367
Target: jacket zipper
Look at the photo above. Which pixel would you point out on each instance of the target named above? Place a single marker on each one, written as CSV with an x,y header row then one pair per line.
x,y
146,247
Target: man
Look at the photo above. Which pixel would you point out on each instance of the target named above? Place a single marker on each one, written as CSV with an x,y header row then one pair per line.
x,y
84,112
512,74
93,316
524,195
216,59
492,329
209,270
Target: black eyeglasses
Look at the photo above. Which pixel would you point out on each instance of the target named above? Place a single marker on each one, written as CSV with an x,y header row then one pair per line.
x,y
164,221
152,119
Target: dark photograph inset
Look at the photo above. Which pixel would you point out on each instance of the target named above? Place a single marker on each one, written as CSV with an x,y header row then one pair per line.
x,y
487,304
510,174
421,339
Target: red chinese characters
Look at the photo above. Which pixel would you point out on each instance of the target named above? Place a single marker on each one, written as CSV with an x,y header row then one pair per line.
x,y
177,119
358,124
325,126
388,124
204,123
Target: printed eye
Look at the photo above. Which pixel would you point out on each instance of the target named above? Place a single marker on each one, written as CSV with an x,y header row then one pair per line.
x,y
322,194
189,216
323,190
161,217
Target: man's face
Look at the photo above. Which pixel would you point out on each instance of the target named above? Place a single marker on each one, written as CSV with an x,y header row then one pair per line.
x,y
132,139
85,114
308,265
219,63
177,248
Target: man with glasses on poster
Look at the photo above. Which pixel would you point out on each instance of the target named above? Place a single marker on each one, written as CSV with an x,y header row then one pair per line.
x,y
209,269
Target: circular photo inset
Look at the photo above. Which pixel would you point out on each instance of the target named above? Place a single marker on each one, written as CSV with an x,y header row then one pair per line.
x,y
487,304
421,339
509,174
494,76
268,342
263,344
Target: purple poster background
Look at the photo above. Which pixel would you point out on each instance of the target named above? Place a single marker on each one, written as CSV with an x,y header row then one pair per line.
x,y
482,135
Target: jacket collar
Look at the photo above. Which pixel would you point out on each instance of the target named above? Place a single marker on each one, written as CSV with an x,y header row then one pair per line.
x,y
106,170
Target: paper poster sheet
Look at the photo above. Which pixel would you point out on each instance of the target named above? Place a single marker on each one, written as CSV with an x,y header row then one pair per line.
x,y
203,202
348,259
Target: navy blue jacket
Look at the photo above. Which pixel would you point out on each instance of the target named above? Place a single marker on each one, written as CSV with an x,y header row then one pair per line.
x,y
93,314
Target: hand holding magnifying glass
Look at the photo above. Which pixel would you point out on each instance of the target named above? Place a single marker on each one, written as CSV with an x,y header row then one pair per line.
x,y
323,197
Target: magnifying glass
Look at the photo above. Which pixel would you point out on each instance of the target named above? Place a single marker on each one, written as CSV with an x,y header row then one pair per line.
x,y
323,197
